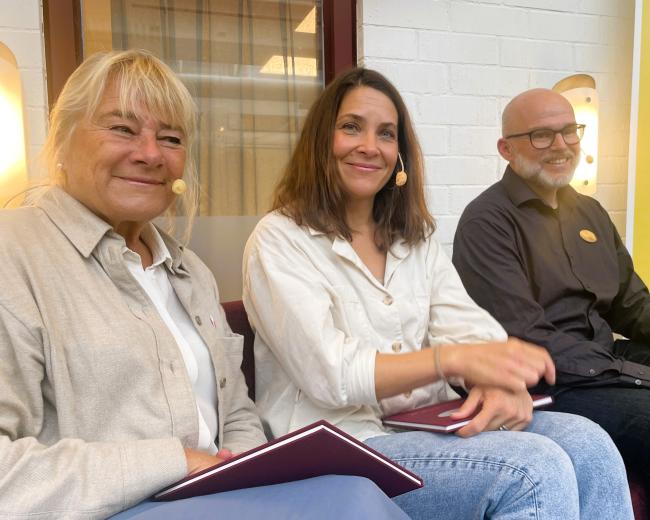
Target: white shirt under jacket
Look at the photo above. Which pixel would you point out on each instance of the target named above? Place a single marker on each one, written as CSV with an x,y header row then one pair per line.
x,y
195,352
320,317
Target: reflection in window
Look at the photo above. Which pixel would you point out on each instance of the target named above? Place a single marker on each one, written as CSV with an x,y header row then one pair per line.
x,y
254,67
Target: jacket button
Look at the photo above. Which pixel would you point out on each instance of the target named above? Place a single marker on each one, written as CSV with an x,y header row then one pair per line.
x,y
222,382
388,300
197,318
396,346
591,371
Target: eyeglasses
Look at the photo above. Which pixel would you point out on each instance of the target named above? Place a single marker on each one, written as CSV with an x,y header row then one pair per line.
x,y
544,137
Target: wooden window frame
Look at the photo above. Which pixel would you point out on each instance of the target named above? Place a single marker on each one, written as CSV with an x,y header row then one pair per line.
x,y
64,50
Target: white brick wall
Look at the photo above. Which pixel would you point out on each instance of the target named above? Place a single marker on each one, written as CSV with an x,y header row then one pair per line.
x,y
20,30
458,62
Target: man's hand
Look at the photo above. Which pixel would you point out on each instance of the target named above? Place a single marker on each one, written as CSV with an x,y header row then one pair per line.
x,y
513,365
514,410
200,460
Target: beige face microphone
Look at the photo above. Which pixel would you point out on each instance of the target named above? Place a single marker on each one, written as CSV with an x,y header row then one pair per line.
x,y
179,186
401,177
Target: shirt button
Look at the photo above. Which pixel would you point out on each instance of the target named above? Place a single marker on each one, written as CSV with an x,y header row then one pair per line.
x,y
222,382
637,382
591,371
396,346
197,318
388,300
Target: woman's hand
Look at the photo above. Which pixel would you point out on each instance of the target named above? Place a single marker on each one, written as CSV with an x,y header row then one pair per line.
x,y
514,410
200,460
513,365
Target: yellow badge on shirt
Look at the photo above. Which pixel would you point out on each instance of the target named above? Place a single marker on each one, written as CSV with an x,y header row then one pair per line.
x,y
588,236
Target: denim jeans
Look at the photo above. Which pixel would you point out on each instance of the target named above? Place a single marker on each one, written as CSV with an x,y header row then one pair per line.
x,y
561,467
621,411
320,498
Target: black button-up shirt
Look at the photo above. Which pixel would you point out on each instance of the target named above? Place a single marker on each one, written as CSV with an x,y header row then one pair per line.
x,y
560,278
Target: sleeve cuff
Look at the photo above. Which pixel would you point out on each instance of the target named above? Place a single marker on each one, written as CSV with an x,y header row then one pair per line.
x,y
150,465
361,378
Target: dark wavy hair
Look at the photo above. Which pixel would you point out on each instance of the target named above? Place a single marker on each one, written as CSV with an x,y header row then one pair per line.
x,y
311,190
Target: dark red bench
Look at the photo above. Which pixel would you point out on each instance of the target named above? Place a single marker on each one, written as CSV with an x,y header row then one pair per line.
x,y
238,321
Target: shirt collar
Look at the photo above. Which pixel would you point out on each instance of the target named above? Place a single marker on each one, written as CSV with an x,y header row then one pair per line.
x,y
80,225
85,230
399,249
161,255
519,192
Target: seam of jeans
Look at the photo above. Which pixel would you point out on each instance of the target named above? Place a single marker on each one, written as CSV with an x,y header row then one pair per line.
x,y
522,473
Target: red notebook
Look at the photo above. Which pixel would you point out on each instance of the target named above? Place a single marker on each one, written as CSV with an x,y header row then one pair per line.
x,y
436,417
317,449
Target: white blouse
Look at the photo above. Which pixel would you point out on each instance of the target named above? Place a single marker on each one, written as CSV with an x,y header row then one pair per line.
x,y
320,317
195,352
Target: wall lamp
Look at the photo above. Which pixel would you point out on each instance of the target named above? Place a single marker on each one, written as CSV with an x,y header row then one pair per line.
x,y
580,91
13,169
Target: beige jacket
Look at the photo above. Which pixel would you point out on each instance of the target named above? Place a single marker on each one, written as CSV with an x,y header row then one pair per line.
x,y
95,402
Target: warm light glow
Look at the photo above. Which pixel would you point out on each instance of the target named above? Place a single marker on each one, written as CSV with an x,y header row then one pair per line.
x,y
276,65
12,152
585,106
580,91
13,171
308,24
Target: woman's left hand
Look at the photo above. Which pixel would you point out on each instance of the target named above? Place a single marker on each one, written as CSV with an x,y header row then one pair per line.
x,y
499,408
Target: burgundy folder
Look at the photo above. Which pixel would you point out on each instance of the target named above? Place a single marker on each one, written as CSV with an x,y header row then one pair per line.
x,y
436,417
317,449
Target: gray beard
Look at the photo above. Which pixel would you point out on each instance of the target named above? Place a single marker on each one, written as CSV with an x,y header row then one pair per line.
x,y
535,173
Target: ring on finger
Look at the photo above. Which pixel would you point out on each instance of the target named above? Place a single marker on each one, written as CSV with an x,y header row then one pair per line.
x,y
503,428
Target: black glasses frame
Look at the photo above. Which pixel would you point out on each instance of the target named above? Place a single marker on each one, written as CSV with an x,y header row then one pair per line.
x,y
580,131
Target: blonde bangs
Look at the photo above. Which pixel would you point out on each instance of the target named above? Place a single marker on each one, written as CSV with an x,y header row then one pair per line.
x,y
143,83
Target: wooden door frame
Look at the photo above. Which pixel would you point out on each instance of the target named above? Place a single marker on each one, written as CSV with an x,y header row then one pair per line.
x,y
64,50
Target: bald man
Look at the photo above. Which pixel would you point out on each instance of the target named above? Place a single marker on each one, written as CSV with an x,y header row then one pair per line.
x,y
549,264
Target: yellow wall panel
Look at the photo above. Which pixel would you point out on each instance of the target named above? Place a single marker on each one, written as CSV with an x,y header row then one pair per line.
x,y
642,187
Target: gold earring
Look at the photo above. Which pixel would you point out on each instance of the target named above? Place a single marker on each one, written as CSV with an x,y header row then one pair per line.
x,y
401,177
179,186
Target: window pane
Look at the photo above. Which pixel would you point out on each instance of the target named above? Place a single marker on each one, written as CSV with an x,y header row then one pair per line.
x,y
254,68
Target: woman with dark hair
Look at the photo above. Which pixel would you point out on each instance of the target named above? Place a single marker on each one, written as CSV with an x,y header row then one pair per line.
x,y
359,313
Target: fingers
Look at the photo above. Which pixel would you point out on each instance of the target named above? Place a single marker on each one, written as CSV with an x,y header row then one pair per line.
x,y
469,406
199,460
500,408
549,372
538,359
476,425
513,365
224,454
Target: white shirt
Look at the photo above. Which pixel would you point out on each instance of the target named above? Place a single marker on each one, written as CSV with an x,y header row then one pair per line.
x,y
195,352
320,318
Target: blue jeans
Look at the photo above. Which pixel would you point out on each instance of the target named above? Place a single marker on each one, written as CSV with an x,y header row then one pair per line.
x,y
320,498
561,467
